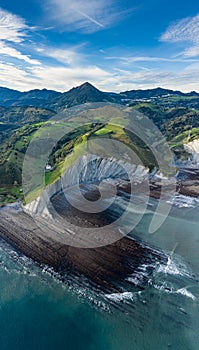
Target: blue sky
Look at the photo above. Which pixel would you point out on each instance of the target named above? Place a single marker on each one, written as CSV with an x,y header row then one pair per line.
x,y
116,45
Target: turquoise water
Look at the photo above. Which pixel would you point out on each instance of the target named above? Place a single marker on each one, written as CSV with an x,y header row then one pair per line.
x,y
39,312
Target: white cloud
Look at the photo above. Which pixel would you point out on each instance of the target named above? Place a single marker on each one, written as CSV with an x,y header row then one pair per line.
x,y
85,15
64,78
57,78
7,50
15,78
12,27
13,31
187,31
133,59
192,51
73,67
69,56
185,80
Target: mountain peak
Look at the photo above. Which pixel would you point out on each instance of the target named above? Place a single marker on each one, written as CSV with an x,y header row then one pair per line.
x,y
83,94
86,86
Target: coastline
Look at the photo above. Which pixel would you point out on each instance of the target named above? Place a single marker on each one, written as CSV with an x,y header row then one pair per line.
x,y
107,268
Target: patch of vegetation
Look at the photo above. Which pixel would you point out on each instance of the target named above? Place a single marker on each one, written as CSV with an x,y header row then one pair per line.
x,y
18,126
67,149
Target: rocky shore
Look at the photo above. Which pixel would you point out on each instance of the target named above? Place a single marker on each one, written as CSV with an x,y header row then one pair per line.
x,y
187,187
107,268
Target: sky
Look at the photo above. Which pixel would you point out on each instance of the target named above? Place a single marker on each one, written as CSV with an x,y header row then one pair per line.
x,y
116,45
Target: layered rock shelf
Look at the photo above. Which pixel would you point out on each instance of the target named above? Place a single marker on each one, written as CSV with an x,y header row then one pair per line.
x,y
107,267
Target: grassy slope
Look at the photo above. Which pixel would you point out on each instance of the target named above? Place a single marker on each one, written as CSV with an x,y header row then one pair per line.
x,y
63,155
175,123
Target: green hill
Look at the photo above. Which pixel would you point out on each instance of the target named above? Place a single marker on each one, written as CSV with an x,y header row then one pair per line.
x,y
83,94
18,124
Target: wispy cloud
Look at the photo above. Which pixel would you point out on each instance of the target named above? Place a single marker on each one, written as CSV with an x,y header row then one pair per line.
x,y
184,31
87,16
12,27
51,77
26,65
13,32
132,59
6,50
14,77
68,56
116,79
91,19
63,78
144,79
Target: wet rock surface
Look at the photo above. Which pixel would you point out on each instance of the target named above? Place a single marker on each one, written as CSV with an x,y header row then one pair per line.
x,y
107,268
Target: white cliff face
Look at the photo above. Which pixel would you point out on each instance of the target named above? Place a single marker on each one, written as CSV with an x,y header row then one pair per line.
x,y
86,170
193,148
95,169
41,205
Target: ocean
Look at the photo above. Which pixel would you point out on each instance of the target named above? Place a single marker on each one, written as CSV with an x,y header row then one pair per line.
x,y
39,312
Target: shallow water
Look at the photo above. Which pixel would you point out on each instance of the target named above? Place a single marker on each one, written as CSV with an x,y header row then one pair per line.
x,y
39,312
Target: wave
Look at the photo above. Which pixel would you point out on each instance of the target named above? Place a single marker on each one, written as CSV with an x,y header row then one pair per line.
x,y
165,287
145,276
185,292
117,297
182,201
173,268
141,275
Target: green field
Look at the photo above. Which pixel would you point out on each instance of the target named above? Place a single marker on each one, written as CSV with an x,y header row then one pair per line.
x,y
178,124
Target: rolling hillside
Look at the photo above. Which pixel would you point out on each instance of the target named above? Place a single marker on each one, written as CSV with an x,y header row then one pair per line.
x,y
18,124
89,93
